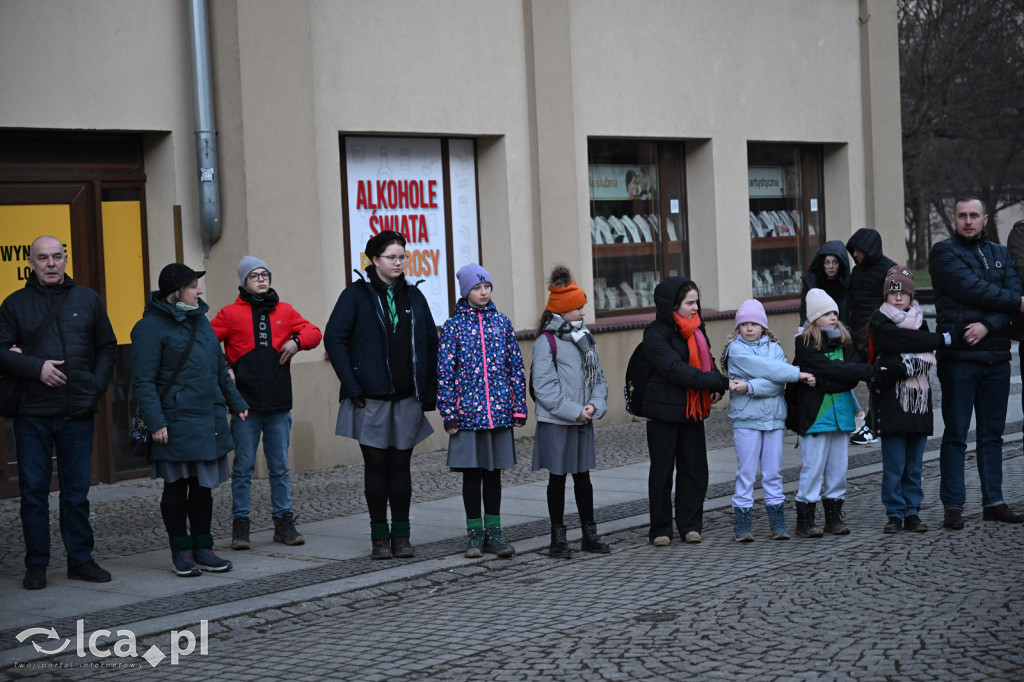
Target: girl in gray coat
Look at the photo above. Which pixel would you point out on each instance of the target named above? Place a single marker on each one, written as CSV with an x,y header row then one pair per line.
x,y
570,390
758,374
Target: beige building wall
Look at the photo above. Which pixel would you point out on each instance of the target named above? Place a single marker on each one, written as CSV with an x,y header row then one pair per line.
x,y
531,81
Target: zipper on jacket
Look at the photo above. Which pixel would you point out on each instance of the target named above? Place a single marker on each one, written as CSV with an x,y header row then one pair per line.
x,y
64,350
412,342
487,385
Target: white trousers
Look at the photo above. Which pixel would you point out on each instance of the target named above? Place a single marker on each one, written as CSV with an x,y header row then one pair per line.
x,y
825,457
755,448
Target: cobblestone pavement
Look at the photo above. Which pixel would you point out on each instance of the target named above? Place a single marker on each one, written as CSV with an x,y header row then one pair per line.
x,y
867,606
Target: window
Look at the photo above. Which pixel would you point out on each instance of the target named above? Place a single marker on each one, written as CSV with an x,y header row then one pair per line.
x,y
787,215
637,221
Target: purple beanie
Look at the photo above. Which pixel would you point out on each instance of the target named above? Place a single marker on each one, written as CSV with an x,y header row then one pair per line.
x,y
752,311
471,275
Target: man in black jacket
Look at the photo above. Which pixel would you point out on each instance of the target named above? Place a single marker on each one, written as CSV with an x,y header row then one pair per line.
x,y
977,291
63,373
865,296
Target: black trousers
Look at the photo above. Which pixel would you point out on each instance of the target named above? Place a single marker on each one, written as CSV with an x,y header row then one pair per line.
x,y
684,448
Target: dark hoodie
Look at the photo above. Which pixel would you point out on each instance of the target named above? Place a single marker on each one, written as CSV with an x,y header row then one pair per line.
x,y
665,397
866,283
815,278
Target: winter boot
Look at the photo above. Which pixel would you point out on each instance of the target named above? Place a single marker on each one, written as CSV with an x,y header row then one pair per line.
x,y
805,527
284,530
834,517
380,541
495,543
777,521
183,558
741,526
559,546
592,541
240,533
401,548
475,545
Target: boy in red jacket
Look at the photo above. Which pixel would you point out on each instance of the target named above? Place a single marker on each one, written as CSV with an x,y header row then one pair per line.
x,y
261,334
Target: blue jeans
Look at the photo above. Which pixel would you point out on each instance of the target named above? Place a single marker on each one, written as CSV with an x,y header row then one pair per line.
x,y
902,454
35,438
983,389
276,429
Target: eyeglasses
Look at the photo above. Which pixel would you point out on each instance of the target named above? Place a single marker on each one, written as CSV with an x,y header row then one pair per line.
x,y
257,276
395,260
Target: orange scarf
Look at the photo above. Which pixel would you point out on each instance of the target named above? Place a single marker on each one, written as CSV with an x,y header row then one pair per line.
x,y
698,403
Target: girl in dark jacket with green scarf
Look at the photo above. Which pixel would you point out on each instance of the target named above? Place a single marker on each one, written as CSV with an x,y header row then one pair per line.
x,y
188,426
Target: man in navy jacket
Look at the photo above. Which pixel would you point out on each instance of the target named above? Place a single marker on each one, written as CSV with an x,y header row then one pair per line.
x,y
977,291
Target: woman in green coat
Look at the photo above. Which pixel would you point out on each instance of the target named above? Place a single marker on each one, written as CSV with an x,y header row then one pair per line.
x,y
188,426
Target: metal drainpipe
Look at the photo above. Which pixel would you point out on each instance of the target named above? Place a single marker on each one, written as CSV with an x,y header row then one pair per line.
x,y
206,136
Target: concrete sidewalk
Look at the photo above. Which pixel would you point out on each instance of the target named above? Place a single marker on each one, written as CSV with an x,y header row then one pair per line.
x,y
146,598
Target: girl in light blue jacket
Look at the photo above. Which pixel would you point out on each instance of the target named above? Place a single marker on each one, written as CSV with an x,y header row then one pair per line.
x,y
758,373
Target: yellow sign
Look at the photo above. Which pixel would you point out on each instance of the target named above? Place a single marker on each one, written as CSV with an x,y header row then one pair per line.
x,y
122,265
19,227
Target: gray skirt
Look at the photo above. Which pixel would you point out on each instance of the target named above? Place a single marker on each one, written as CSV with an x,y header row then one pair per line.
x,y
384,424
564,449
210,473
488,449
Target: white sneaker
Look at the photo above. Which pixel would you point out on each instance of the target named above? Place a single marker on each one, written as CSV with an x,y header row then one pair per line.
x,y
863,436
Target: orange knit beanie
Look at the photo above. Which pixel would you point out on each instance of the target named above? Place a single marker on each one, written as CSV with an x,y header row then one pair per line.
x,y
565,294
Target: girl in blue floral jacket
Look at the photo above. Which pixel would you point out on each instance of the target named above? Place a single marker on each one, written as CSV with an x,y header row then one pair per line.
x,y
481,394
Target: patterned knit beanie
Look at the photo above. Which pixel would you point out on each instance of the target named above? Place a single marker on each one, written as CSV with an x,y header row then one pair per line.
x,y
565,294
899,278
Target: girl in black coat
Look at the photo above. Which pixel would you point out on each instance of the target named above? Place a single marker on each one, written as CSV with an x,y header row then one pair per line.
x,y
677,400
901,404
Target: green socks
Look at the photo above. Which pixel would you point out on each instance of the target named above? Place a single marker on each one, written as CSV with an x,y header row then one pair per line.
x,y
477,524
400,529
492,521
181,543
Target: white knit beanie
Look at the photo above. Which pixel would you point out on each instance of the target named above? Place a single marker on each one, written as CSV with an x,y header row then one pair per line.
x,y
819,303
247,265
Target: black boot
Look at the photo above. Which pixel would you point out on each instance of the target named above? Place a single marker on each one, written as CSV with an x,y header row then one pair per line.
x,y
559,546
805,527
591,541
834,517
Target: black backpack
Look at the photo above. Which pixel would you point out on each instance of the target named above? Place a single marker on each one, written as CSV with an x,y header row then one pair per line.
x,y
638,372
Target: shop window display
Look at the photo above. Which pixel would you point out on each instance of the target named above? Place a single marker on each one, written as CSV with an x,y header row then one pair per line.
x,y
786,215
637,221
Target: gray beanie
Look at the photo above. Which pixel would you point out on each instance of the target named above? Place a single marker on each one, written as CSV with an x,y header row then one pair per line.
x,y
247,265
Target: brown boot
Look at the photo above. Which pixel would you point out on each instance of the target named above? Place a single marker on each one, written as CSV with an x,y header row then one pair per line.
x,y
953,519
1001,512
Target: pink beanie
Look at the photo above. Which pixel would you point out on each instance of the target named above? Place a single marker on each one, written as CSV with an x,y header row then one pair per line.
x,y
752,311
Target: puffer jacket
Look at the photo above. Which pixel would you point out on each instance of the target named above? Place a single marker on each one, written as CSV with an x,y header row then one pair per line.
x,y
665,398
763,365
866,282
558,386
815,278
80,335
480,376
1015,245
262,380
193,410
974,281
828,405
356,341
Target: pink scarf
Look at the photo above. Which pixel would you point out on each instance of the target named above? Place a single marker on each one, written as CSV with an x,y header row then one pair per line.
x,y
914,391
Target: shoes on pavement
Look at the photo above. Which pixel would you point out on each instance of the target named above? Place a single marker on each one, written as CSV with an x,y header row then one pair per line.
x,y
35,577
559,547
863,436
208,561
240,533
591,541
475,545
185,563
661,541
913,524
401,548
692,537
1001,512
495,543
89,571
381,549
895,525
284,530
953,519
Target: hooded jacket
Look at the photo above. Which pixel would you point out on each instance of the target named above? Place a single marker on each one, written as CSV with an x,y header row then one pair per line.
x,y
866,281
480,376
974,281
80,335
1015,245
193,409
665,398
262,380
558,386
815,278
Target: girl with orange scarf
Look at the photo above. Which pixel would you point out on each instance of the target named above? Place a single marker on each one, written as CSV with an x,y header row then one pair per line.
x,y
677,400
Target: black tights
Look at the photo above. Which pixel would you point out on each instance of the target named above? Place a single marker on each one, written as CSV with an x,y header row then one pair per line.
x,y
186,503
583,490
490,481
388,479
